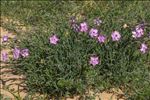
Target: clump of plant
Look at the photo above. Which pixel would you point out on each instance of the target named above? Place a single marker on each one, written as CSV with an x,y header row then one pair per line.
x,y
65,64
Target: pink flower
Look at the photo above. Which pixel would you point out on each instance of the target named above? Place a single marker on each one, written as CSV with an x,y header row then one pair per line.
x,y
4,56
16,53
93,32
53,39
5,38
143,48
97,21
115,36
83,27
101,38
137,33
25,53
94,60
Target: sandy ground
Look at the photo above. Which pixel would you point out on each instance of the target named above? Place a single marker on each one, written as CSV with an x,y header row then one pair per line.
x,y
10,81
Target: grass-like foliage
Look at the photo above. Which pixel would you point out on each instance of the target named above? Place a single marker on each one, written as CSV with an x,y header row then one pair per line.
x,y
64,57
65,68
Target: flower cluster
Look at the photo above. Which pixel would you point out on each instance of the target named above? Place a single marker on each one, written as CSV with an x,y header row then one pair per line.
x,y
17,53
4,54
137,33
95,34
